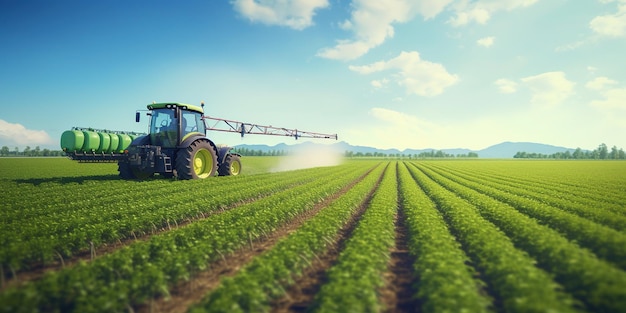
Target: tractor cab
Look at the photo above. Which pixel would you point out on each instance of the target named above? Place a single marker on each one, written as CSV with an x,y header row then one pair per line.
x,y
173,123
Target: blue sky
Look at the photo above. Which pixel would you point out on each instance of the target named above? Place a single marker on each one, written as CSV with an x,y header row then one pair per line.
x,y
388,74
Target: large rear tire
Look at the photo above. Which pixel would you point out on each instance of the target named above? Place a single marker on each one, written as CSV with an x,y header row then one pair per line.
x,y
129,172
198,161
231,166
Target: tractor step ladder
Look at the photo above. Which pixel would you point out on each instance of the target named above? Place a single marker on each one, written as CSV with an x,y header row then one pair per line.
x,y
167,161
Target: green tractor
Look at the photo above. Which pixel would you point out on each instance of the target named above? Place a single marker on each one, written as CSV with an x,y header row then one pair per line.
x,y
177,145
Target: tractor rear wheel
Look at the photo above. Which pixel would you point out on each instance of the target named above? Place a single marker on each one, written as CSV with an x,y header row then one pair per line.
x,y
231,166
199,160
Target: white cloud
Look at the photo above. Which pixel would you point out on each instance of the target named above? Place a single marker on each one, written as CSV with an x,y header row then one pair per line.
x,y
380,83
17,134
506,85
600,83
430,9
571,46
417,76
297,14
401,130
613,99
480,11
394,117
611,25
486,42
549,89
479,16
371,22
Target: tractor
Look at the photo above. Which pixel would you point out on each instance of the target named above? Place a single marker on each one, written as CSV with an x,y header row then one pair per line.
x,y
176,146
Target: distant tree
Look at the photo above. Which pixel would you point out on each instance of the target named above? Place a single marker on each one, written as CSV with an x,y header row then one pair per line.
x,y
603,151
614,153
4,151
17,151
472,155
26,151
36,151
578,154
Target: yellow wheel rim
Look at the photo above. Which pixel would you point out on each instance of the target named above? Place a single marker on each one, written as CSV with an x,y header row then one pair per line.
x,y
203,163
235,168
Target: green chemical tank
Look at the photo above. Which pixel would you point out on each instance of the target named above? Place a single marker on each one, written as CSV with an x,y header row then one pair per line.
x,y
124,142
105,142
92,141
115,142
72,140
88,140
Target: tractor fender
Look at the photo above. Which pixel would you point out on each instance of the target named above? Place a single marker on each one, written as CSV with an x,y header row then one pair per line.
x,y
223,152
190,138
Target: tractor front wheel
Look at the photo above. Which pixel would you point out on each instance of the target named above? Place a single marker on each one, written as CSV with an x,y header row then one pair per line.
x,y
199,160
231,166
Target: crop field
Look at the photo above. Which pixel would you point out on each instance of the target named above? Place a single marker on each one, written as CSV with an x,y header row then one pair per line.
x,y
363,236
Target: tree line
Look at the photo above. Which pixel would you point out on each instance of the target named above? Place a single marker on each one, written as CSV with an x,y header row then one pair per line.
x,y
5,151
421,155
601,153
352,154
252,152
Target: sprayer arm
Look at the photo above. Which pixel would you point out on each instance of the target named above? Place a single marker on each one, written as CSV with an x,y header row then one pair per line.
x,y
223,125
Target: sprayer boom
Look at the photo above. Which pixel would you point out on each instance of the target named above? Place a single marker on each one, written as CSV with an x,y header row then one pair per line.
x,y
219,124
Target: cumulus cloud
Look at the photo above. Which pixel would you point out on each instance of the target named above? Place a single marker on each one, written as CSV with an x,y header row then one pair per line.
x,y
549,89
380,83
417,76
611,25
402,130
394,117
600,83
17,134
461,18
506,85
297,14
486,42
613,99
371,23
481,11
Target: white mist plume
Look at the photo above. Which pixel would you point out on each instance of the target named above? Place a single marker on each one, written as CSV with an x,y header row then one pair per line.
x,y
307,156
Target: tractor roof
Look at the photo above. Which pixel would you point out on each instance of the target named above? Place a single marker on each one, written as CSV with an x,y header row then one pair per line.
x,y
183,105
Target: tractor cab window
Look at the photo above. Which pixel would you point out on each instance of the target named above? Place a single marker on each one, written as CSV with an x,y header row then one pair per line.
x,y
164,128
192,122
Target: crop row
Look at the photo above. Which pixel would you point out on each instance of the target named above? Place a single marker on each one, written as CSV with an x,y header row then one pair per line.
x,y
102,222
353,284
605,242
266,277
509,273
142,270
591,183
446,283
604,211
596,283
